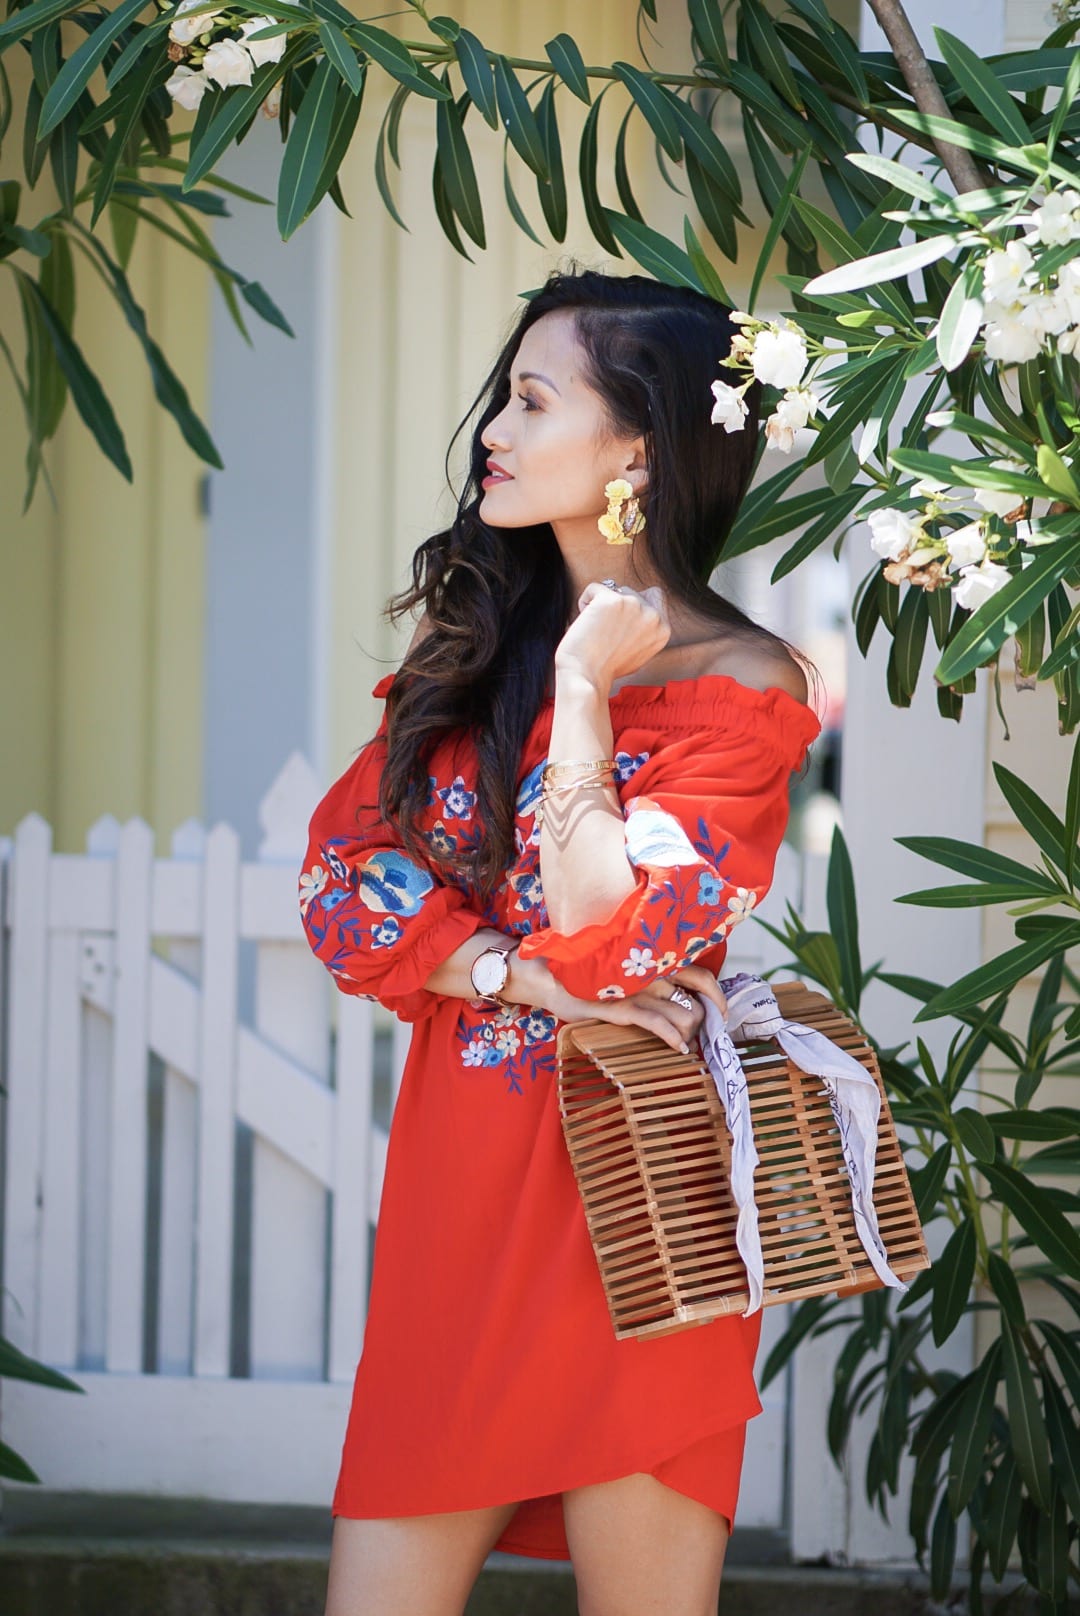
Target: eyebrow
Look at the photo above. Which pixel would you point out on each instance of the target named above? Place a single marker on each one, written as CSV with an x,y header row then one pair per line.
x,y
536,376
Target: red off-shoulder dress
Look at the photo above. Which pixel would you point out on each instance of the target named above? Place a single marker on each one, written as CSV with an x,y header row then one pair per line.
x,y
490,1372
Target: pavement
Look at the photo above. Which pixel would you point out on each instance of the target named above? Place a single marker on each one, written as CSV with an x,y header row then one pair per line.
x,y
84,1555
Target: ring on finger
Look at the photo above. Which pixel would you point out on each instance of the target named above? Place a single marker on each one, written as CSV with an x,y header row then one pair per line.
x,y
609,583
683,1000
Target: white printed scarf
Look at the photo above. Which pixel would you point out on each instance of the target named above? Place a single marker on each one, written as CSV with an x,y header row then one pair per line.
x,y
753,1012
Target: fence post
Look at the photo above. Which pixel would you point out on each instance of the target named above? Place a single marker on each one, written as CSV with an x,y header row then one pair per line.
x,y
28,919
289,1207
216,1102
179,1147
125,1288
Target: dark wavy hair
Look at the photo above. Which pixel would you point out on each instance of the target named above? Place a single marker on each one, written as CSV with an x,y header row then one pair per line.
x,y
497,600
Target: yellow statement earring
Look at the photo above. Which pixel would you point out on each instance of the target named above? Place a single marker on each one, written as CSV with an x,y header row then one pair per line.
x,y
619,525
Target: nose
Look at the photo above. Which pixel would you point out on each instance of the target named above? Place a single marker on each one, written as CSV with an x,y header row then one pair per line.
x,y
495,436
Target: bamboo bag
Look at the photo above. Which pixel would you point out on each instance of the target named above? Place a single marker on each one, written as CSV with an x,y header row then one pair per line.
x,y
651,1151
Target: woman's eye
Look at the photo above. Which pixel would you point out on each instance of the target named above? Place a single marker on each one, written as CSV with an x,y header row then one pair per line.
x,y
529,401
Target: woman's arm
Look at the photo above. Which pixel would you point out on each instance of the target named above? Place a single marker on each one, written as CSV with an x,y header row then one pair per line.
x,y
531,982
583,865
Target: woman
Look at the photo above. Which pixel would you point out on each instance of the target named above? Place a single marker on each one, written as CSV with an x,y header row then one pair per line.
x,y
493,1406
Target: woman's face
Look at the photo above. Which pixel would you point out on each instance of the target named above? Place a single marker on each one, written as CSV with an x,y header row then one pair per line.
x,y
550,448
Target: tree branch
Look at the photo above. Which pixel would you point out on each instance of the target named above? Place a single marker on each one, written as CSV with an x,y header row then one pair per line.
x,y
960,166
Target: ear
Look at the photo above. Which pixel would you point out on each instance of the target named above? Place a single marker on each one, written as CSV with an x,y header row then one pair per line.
x,y
635,466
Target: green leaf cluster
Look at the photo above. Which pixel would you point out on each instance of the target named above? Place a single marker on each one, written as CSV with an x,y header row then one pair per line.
x,y
997,1445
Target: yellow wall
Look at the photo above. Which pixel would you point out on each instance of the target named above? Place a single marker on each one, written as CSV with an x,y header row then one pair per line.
x,y
101,607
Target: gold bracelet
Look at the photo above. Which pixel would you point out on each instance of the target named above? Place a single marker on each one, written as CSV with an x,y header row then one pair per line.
x,y
570,785
576,785
592,766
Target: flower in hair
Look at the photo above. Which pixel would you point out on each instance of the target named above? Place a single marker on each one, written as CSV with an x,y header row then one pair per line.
x,y
730,410
779,356
775,353
791,414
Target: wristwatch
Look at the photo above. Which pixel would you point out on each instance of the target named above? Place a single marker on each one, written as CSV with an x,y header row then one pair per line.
x,y
489,972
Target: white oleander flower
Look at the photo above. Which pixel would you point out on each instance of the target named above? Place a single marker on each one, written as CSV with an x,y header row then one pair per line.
x,y
790,416
995,501
967,545
187,87
1012,335
892,532
262,50
779,357
1056,220
183,30
1004,270
272,104
779,436
729,411
227,63
978,584
1069,341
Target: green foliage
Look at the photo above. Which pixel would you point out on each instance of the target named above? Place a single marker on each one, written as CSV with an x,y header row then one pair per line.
x,y
16,1365
995,1450
892,310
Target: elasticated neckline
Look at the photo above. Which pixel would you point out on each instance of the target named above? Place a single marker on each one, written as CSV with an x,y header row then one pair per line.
x,y
712,698
707,698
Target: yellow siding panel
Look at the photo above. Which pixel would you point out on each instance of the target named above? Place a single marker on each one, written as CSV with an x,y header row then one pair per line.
x,y
101,650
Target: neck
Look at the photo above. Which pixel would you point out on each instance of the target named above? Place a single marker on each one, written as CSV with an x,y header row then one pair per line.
x,y
588,559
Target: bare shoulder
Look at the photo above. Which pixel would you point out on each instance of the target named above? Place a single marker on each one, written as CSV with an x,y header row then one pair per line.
x,y
420,634
761,666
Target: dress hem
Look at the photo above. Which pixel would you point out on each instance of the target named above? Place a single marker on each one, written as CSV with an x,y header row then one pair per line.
x,y
614,1472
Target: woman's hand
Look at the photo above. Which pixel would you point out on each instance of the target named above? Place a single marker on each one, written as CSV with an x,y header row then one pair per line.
x,y
653,1008
614,634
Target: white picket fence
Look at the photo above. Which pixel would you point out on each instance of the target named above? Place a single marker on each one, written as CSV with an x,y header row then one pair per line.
x,y
194,1147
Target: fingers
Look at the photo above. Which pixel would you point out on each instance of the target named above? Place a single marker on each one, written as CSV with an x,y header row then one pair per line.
x,y
652,598
698,979
656,1014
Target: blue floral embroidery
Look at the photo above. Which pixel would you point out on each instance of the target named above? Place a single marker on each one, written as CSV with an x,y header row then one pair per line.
x,y
390,883
709,888
529,894
337,865
386,934
626,766
707,847
514,1042
458,802
538,1026
529,791
441,840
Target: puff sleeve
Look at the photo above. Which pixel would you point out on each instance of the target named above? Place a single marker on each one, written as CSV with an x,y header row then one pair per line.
x,y
379,919
703,826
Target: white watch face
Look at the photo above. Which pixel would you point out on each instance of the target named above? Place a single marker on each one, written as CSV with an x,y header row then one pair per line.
x,y
489,973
